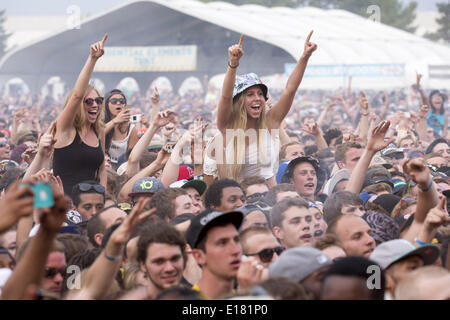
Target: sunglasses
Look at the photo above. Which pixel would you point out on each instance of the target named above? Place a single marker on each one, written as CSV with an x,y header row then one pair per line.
x,y
50,272
266,255
85,187
256,196
397,155
4,144
117,101
90,101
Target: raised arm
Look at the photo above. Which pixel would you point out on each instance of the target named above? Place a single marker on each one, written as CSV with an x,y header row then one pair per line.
x,y
155,103
436,217
148,171
427,197
161,119
363,127
281,109
315,131
30,268
235,53
102,272
65,119
170,172
376,143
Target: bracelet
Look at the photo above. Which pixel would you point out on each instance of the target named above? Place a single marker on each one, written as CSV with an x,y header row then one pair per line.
x,y
429,186
232,66
420,243
115,258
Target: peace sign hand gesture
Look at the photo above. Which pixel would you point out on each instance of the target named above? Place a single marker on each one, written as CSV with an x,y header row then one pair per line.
x,y
97,49
235,53
310,47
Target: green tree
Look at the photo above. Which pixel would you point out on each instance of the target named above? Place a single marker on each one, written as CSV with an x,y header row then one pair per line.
x,y
392,12
3,34
444,24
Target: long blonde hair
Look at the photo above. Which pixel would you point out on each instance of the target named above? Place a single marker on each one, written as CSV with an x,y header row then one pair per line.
x,y
80,117
239,121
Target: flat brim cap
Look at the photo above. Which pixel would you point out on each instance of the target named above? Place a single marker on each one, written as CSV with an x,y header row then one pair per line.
x,y
208,219
293,163
145,186
198,185
390,252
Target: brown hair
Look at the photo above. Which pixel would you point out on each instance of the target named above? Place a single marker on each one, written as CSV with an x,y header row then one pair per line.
x,y
282,153
328,240
342,149
250,181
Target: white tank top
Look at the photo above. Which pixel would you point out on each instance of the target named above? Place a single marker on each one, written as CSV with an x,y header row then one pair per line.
x,y
252,167
119,147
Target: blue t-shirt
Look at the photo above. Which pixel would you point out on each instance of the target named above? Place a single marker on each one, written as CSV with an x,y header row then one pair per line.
x,y
436,121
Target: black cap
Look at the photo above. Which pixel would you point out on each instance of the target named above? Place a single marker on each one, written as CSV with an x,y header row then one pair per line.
x,y
204,221
293,163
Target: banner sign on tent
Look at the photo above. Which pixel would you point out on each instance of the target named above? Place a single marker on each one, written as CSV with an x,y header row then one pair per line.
x,y
144,59
439,71
346,70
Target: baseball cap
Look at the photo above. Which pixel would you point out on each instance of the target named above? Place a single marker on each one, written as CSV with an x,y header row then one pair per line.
x,y
281,170
207,219
390,252
298,263
373,177
198,185
185,173
340,175
146,185
293,163
246,81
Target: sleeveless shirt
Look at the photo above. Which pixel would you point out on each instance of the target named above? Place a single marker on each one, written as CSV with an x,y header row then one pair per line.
x,y
77,162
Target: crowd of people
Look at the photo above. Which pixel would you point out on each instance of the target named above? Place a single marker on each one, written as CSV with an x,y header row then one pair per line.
x,y
242,191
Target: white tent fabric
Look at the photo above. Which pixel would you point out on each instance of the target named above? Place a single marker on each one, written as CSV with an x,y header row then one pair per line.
x,y
343,38
376,55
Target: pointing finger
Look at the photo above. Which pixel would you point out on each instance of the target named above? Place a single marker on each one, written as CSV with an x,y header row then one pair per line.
x,y
309,36
241,40
104,38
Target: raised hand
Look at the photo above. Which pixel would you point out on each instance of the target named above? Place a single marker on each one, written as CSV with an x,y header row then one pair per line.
x,y
163,118
15,204
418,171
235,53
29,154
123,232
363,103
310,47
423,111
376,139
51,219
47,141
312,129
437,216
97,49
418,78
249,273
123,116
155,96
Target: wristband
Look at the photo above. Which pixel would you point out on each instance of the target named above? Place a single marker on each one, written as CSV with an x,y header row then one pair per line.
x,y
429,186
115,258
232,66
420,243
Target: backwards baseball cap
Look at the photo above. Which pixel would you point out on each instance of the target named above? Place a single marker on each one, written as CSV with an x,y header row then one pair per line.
x,y
146,185
293,163
208,219
298,263
390,252
185,172
246,81
198,185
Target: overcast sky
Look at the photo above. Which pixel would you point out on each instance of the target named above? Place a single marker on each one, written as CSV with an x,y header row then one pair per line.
x,y
90,7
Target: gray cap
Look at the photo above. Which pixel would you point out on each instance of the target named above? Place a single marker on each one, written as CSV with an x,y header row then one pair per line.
x,y
390,252
340,175
298,263
146,185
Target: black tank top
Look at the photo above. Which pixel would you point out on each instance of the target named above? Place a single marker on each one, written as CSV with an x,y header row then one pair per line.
x,y
77,162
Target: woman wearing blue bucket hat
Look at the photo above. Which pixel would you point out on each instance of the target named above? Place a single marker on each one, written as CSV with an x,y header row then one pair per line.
x,y
242,113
